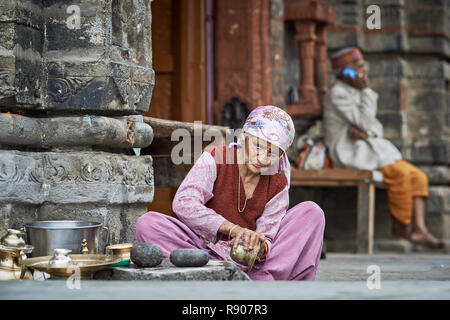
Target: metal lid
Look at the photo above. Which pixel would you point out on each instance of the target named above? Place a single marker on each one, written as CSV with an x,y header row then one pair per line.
x,y
63,224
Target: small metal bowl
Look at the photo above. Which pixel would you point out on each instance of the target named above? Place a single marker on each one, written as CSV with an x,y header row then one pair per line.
x,y
122,250
244,257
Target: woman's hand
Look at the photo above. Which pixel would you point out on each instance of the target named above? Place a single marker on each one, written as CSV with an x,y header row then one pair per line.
x,y
250,239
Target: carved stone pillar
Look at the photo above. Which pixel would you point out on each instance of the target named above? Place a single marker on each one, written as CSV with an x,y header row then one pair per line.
x,y
242,53
311,18
70,76
321,61
306,37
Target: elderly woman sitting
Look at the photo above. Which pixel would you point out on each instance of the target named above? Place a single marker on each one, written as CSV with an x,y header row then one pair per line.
x,y
240,192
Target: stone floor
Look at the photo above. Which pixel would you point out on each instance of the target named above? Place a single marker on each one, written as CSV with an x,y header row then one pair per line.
x,y
214,270
351,267
340,276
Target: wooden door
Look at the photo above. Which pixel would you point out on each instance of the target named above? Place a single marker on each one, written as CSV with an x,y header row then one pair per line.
x,y
179,61
163,59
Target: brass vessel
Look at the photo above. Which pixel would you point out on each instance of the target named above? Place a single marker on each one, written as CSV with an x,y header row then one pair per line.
x,y
13,252
122,250
83,265
244,257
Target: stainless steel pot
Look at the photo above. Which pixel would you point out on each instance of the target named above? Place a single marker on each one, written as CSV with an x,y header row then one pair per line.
x,y
46,236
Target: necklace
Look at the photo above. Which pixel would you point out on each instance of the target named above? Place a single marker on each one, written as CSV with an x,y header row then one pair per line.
x,y
239,194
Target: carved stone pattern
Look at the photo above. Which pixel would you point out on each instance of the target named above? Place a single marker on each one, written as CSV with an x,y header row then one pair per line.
x,y
130,91
91,173
64,171
6,88
61,89
9,171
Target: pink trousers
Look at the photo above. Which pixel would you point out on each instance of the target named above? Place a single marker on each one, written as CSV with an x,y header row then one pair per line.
x,y
295,251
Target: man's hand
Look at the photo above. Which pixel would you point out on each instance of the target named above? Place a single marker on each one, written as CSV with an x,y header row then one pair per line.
x,y
360,82
356,133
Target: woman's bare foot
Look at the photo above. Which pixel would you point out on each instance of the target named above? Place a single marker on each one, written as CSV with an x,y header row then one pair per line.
x,y
426,239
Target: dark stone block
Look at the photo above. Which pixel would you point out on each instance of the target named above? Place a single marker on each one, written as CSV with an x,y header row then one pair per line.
x,y
437,152
146,255
215,270
189,257
392,125
85,69
58,37
392,68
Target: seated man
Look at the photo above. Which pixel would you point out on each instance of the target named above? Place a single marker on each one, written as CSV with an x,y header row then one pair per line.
x,y
354,137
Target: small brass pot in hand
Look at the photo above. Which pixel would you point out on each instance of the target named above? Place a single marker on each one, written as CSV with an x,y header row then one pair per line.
x,y
243,256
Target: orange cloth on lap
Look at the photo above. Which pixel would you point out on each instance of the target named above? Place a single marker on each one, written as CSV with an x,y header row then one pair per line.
x,y
404,181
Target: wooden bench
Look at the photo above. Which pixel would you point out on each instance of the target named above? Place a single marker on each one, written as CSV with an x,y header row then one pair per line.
x,y
364,180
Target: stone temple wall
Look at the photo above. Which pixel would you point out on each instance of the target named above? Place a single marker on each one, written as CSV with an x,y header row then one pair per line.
x,y
409,68
69,79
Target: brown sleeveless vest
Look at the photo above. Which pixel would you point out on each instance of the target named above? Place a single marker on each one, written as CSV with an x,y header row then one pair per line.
x,y
225,190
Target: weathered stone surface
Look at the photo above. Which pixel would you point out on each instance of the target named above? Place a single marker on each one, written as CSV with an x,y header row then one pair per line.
x,y
350,267
102,65
21,47
146,255
51,66
437,175
406,26
336,288
189,257
439,200
75,177
436,152
392,125
122,132
215,270
393,245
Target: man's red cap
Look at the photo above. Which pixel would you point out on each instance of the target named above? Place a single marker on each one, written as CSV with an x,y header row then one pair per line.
x,y
345,57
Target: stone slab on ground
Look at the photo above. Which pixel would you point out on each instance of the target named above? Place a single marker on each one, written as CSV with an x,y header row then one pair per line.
x,y
221,290
214,270
393,267
340,276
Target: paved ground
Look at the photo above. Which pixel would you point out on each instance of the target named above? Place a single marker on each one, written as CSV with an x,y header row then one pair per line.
x,y
340,276
351,267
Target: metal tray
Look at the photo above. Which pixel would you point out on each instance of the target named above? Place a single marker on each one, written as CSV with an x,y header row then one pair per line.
x,y
88,264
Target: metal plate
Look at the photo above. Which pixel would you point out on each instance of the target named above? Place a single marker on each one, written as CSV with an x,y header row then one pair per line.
x,y
88,264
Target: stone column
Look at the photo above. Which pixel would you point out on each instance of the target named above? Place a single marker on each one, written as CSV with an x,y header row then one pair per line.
x,y
321,61
306,37
311,18
70,77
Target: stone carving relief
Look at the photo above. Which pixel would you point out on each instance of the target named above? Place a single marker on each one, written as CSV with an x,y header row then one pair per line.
x,y
6,89
61,89
54,168
9,171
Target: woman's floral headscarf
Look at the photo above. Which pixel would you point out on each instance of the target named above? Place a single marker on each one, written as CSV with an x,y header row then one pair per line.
x,y
273,125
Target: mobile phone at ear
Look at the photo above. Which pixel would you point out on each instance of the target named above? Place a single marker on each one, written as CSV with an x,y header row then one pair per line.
x,y
349,73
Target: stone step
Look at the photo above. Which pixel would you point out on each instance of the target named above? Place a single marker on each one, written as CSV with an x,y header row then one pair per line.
x,y
215,270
